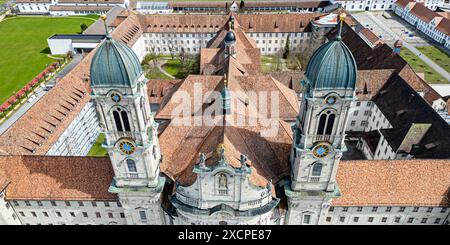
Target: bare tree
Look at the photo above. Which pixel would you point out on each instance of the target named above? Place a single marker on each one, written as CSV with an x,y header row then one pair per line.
x,y
171,45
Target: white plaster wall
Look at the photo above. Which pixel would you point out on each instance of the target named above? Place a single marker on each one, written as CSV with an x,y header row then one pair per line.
x,y
60,46
359,114
33,7
79,136
380,216
7,214
62,214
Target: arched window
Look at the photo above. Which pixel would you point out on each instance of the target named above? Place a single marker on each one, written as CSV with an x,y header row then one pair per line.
x,y
326,123
118,121
330,124
143,108
322,121
317,169
125,121
131,166
121,120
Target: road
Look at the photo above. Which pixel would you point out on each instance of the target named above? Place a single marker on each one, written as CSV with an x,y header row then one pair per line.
x,y
421,56
39,92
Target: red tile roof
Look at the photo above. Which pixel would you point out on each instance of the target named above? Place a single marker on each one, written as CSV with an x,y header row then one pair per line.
x,y
57,178
394,183
423,13
403,3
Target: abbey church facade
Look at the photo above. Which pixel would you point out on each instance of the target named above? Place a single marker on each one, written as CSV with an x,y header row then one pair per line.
x,y
162,172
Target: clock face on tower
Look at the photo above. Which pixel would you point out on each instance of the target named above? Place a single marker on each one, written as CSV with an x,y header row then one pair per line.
x,y
127,147
116,97
321,150
330,100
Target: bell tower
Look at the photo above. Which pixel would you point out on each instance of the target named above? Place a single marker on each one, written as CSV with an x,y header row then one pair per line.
x,y
319,132
119,91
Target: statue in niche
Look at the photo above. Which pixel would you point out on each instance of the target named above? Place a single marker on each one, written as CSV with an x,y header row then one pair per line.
x,y
223,181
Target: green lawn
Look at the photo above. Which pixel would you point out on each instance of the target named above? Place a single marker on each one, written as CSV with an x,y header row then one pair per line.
x,y
155,73
23,48
438,56
97,150
431,76
172,67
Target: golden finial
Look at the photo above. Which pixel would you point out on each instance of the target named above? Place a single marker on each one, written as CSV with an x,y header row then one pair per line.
x,y
103,18
221,148
341,18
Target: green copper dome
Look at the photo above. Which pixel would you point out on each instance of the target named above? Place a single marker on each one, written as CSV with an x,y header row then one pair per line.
x,y
114,65
332,66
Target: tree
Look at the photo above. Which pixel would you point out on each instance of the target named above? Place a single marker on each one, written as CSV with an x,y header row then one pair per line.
x,y
171,47
287,48
241,5
151,57
83,27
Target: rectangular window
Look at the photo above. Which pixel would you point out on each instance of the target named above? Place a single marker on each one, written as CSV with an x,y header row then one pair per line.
x,y
374,209
358,103
58,214
97,214
331,209
53,203
106,204
355,113
306,218
443,210
328,219
16,203
119,204
429,210
353,123
424,220
39,203
359,209
85,214
345,209
72,214
80,203
416,209
22,214
33,214
94,204
110,215
67,204
388,209
45,214
27,203
401,210
370,219
437,220
355,219
122,215
397,220
341,219
384,219
143,216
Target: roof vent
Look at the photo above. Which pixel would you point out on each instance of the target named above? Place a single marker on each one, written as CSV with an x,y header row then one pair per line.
x,y
431,145
401,112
